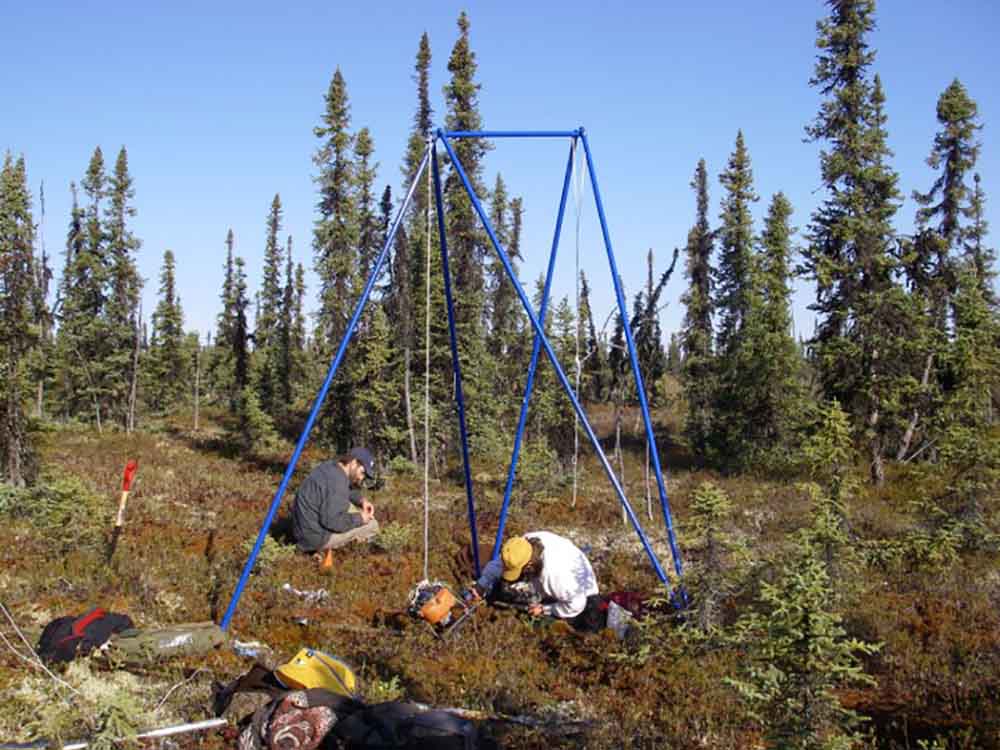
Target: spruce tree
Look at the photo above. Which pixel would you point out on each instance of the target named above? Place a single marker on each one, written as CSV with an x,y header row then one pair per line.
x,y
220,373
466,242
266,331
697,331
369,231
502,296
298,333
860,309
646,332
17,333
84,338
982,256
734,398
799,657
240,334
595,376
167,373
468,247
376,384
122,307
267,334
70,301
41,358
710,579
780,403
287,356
412,263
385,206
759,399
335,233
335,241
936,248
674,355
735,236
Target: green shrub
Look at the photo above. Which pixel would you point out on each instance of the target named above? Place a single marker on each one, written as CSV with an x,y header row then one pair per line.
x,y
393,537
404,467
271,551
61,508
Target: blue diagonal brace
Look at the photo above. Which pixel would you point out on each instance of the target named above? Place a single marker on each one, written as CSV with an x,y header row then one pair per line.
x,y
290,469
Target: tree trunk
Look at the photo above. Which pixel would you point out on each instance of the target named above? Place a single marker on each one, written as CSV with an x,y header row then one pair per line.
x,y
11,440
130,425
409,406
875,443
39,397
197,383
911,428
618,454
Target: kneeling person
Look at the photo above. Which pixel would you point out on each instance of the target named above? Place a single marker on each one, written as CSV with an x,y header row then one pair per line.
x,y
560,575
327,513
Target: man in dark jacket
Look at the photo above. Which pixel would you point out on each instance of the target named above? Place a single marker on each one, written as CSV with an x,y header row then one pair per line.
x,y
327,513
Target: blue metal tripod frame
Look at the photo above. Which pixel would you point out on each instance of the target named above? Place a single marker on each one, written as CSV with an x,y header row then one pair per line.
x,y
578,137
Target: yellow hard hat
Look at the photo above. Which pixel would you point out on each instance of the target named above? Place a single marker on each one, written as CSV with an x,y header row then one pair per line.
x,y
515,554
314,669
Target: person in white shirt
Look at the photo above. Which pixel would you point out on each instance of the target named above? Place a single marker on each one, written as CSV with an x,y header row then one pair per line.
x,y
559,573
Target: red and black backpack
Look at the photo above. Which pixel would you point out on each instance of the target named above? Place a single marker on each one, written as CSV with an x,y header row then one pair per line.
x,y
67,637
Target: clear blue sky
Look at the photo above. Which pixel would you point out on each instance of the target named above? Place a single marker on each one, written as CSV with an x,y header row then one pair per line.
x,y
216,103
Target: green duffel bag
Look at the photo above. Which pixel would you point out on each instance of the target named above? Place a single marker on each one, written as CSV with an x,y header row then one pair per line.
x,y
139,647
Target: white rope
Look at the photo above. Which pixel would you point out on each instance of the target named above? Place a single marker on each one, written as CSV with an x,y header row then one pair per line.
x,y
578,199
427,377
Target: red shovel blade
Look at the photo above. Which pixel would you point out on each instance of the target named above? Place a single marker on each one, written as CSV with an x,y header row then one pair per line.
x,y
130,469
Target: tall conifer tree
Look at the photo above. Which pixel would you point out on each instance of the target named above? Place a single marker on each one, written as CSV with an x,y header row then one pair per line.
x,y
697,332
84,340
468,247
267,334
123,300
167,362
335,240
735,236
466,241
937,246
369,232
860,309
17,333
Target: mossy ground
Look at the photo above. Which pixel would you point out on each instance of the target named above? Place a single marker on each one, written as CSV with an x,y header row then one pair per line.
x,y
196,508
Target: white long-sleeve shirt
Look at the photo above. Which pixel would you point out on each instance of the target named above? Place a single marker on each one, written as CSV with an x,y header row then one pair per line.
x,y
567,578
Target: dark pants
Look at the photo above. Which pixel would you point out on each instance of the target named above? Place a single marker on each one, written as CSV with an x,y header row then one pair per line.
x,y
594,616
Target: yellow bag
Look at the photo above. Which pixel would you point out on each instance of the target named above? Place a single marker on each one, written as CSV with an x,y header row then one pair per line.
x,y
314,669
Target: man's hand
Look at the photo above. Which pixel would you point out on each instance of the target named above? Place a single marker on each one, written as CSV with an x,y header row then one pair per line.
x,y
367,511
535,610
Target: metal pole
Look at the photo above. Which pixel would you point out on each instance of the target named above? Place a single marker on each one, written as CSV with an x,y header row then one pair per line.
x,y
623,311
542,311
510,133
555,362
197,726
290,469
456,366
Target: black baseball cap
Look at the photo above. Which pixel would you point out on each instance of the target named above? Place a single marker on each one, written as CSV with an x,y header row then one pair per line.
x,y
364,457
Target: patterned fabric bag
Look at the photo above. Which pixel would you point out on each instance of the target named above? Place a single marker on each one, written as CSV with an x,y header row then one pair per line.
x,y
299,720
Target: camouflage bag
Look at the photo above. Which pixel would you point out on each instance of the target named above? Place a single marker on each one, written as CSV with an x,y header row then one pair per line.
x,y
144,647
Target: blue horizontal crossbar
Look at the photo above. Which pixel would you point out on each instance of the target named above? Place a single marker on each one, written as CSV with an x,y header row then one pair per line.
x,y
510,133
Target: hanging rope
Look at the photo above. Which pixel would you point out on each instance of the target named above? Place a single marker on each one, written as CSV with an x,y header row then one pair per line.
x,y
578,200
427,379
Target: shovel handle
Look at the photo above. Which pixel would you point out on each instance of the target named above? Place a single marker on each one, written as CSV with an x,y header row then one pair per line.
x,y
121,508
